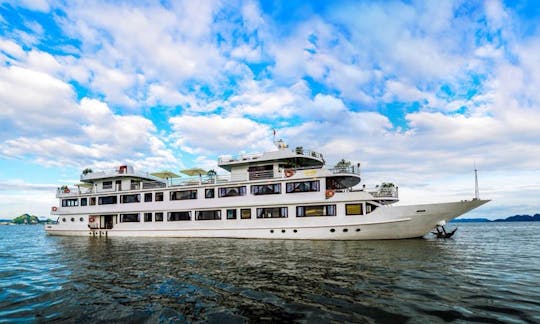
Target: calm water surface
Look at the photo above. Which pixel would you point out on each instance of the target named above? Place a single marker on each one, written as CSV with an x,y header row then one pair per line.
x,y
487,273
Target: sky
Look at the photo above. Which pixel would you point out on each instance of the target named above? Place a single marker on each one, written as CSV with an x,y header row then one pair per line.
x,y
418,92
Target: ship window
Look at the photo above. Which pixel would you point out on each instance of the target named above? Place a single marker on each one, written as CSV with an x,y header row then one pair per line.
x,y
353,209
147,217
159,196
129,218
266,189
92,201
107,200
232,191
107,184
81,219
245,213
231,213
370,208
184,194
127,199
84,201
159,217
209,193
70,202
148,197
179,216
322,210
208,214
303,186
273,212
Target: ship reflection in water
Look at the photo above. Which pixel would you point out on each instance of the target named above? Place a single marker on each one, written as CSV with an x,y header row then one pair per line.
x,y
480,275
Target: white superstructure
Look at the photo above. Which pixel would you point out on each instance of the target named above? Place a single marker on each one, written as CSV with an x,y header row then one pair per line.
x,y
283,194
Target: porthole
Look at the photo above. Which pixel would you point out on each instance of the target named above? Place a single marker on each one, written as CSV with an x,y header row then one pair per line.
x,y
345,230
295,231
81,219
64,219
282,231
358,230
332,230
72,219
271,231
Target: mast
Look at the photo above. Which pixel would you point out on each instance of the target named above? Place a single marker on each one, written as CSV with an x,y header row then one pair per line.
x,y
476,191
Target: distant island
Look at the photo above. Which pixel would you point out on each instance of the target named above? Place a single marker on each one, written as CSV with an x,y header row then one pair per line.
x,y
25,219
515,218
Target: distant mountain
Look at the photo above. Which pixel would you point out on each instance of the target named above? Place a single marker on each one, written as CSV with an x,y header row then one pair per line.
x,y
516,218
520,218
28,219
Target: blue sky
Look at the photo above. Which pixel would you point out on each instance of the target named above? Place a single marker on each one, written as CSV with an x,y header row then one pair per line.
x,y
416,91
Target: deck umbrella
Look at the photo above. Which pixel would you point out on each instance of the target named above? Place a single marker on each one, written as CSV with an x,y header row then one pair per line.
x,y
194,171
165,175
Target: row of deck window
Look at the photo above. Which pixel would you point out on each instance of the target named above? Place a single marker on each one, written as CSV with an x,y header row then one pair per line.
x,y
209,193
245,213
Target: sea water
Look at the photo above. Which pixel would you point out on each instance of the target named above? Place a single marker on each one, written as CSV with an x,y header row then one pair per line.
x,y
489,272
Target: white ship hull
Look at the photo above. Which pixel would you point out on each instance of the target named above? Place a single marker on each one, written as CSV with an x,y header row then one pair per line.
x,y
386,222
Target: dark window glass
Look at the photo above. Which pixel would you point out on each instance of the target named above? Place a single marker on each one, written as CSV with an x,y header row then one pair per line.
x,y
370,208
208,214
159,217
353,209
179,216
231,213
129,218
323,210
147,217
303,186
148,197
84,201
92,201
232,191
209,193
127,199
159,196
245,213
267,189
184,194
107,184
107,200
272,212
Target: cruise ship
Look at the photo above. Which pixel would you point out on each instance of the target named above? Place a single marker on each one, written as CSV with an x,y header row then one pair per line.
x,y
282,194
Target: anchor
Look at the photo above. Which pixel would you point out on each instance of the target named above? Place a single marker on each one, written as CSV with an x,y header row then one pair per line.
x,y
442,233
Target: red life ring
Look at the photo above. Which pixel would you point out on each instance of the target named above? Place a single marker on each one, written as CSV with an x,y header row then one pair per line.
x,y
289,173
66,190
329,194
91,219
54,208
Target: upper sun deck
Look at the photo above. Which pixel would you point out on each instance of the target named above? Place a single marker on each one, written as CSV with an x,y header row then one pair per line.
x,y
124,171
296,158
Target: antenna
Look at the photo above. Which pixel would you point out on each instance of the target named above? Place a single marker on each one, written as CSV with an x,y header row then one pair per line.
x,y
476,191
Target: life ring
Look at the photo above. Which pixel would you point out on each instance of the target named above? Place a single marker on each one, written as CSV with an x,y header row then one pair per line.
x,y
91,219
54,208
66,190
329,194
289,173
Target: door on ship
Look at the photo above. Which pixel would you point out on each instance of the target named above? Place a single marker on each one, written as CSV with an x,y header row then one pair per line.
x,y
107,221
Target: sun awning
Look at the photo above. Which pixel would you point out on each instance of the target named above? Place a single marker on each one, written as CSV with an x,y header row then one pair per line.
x,y
194,172
84,185
165,175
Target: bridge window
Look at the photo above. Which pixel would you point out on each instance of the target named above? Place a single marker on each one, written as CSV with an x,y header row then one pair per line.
x,y
322,210
107,200
354,209
159,196
184,195
266,189
272,212
84,201
70,202
232,191
208,214
179,216
107,185
245,213
127,199
129,218
303,186
159,217
231,213
148,197
147,217
209,193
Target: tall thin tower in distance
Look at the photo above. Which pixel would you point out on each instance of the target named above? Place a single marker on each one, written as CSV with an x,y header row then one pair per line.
x,y
476,190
